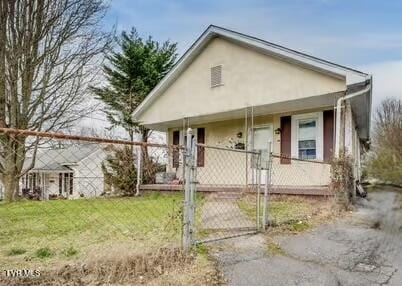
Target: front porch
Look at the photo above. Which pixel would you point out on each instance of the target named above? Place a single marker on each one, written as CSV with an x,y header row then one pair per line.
x,y
47,184
274,190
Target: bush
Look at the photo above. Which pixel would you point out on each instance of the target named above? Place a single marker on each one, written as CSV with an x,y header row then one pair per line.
x,y
342,180
120,174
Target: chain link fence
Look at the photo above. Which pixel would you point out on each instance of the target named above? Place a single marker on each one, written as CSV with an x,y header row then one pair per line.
x,y
226,179
68,198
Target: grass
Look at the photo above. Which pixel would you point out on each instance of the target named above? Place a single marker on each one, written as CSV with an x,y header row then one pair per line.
x,y
69,252
72,229
16,251
201,249
274,248
292,213
45,252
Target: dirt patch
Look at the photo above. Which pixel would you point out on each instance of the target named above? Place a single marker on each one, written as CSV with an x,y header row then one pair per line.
x,y
155,268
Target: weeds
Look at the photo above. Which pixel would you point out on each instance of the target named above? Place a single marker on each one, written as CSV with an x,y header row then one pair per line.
x,y
69,252
274,248
44,252
300,226
201,249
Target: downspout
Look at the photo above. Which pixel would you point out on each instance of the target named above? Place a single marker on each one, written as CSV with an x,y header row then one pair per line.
x,y
338,115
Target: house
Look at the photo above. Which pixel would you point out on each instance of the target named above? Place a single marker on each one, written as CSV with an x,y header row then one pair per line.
x,y
70,172
235,90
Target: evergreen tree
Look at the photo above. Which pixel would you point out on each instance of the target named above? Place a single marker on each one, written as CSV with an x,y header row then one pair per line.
x,y
131,74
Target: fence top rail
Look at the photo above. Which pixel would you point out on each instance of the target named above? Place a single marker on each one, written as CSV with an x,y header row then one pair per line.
x,y
228,149
62,136
298,159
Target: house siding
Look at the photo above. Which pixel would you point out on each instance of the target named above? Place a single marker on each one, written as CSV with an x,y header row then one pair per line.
x,y
230,167
250,78
88,176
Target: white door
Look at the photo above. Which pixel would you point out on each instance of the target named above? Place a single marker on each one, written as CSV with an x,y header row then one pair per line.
x,y
263,139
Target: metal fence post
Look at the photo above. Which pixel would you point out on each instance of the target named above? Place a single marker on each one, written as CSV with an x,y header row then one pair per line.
x,y
267,184
193,185
187,191
258,175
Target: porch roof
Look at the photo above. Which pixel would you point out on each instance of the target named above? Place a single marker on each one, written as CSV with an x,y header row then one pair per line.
x,y
60,159
361,110
313,102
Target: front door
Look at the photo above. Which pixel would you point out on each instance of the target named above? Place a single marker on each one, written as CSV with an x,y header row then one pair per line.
x,y
262,141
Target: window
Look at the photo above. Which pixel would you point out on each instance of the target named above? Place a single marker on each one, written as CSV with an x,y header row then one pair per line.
x,y
60,184
65,182
200,150
216,76
307,139
71,183
176,153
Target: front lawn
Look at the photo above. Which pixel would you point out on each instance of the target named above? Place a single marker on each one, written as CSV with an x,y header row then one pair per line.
x,y
37,233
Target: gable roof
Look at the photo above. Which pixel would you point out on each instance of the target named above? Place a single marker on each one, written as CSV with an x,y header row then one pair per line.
x,y
352,76
60,159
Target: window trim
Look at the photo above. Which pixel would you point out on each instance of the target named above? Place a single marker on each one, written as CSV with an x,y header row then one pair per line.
x,y
318,116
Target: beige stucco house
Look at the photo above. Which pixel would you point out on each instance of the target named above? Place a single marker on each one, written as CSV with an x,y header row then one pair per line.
x,y
238,91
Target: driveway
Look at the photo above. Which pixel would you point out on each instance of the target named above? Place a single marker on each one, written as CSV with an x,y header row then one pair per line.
x,y
364,249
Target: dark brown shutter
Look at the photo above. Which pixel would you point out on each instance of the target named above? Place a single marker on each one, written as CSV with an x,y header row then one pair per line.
x,y
328,134
286,139
200,150
176,142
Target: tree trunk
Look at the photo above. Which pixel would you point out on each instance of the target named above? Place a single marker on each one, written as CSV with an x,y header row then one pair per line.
x,y
14,150
146,163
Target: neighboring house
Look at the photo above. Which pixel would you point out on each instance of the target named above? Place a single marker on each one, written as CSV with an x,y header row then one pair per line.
x,y
70,172
225,78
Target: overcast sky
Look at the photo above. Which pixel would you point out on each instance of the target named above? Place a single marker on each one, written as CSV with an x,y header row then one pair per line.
x,y
363,34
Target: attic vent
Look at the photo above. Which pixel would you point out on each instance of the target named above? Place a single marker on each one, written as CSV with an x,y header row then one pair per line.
x,y
216,76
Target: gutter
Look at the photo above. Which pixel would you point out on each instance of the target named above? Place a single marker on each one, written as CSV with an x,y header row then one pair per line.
x,y
338,113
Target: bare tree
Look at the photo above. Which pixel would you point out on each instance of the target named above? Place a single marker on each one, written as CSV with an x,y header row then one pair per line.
x,y
388,124
386,161
49,50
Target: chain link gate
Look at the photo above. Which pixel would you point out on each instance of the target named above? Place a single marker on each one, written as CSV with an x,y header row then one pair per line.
x,y
223,193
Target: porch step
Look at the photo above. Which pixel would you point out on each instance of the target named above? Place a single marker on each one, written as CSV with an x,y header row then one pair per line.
x,y
227,195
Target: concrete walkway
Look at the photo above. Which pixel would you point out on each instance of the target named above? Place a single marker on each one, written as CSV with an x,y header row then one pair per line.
x,y
365,250
224,214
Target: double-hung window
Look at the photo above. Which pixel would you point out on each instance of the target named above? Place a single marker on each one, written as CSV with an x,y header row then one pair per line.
x,y
307,138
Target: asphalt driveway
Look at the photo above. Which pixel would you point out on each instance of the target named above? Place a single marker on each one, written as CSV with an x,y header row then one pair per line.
x,y
364,249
